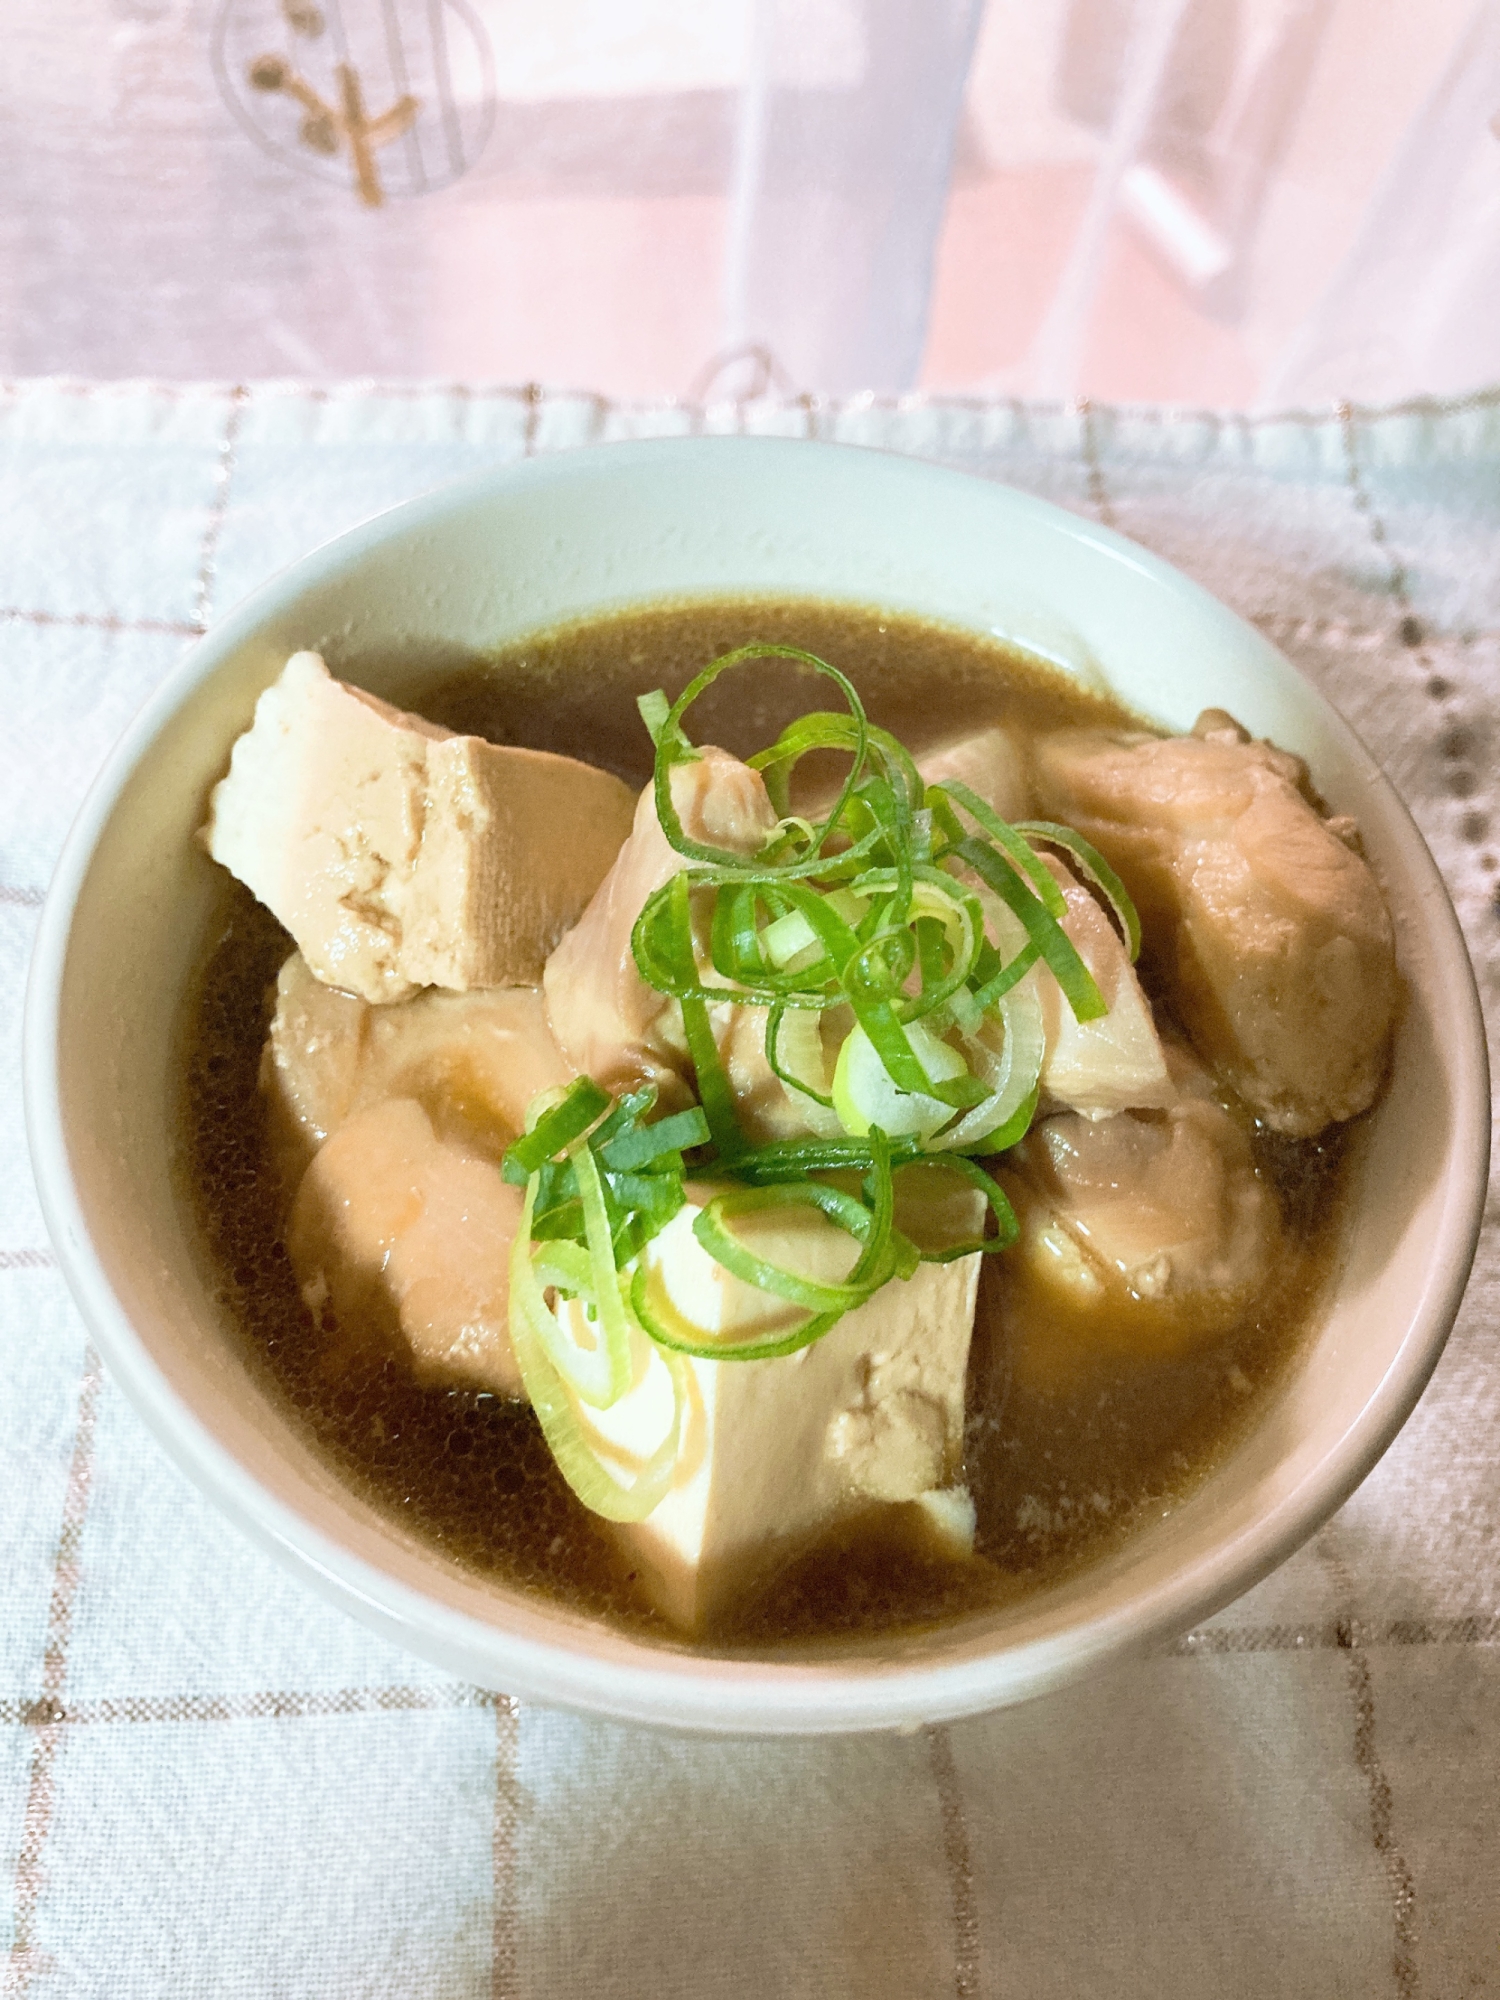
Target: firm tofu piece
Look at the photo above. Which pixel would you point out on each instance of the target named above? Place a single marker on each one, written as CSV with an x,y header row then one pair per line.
x,y
400,1235
400,855
1262,918
988,762
611,1025
474,1061
778,1452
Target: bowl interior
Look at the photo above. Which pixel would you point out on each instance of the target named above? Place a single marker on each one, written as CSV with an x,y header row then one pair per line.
x,y
470,568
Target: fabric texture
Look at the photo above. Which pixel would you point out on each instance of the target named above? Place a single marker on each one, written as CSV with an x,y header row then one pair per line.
x,y
212,1784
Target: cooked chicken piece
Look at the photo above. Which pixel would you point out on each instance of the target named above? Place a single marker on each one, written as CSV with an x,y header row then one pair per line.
x,y
310,1065
620,1030
988,762
611,1025
1170,1204
766,1108
1114,1063
401,1235
1144,1230
393,1120
1262,919
473,1060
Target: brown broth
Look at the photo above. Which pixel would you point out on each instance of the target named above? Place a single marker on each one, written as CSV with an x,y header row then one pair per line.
x,y
1064,1462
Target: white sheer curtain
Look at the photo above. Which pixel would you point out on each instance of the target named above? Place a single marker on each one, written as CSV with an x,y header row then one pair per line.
x,y
846,131
1318,180
1251,202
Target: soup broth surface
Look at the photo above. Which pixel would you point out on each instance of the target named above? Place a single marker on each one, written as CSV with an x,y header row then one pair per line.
x,y
1069,1446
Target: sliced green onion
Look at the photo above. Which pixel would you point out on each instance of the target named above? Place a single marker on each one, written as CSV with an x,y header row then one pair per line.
x,y
886,1254
564,1266
794,1050
817,1296
1010,974
577,1460
580,1106
852,733
863,1094
870,908
674,1332
714,1089
654,708
1096,871
1051,940
1002,1137
677,1134
598,1375
1022,856
672,748
1007,1229
871,997
787,939
784,1160
1011,1073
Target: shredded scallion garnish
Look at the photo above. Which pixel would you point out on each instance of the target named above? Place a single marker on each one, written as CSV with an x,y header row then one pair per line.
x,y
900,923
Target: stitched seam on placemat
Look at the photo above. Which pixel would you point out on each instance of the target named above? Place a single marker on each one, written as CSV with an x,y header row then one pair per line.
x,y
958,1861
1475,1629
504,1937
1093,464
1293,625
101,621
1156,414
45,1714
1411,632
1399,1879
218,508
1410,629
264,1705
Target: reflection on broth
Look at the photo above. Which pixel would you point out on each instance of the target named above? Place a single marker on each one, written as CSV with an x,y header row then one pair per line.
x,y
1105,1377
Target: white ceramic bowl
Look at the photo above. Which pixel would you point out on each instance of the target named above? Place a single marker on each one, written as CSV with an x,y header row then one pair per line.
x,y
525,547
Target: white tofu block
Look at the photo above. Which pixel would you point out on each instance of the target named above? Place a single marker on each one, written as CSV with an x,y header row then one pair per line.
x,y
400,855
777,1452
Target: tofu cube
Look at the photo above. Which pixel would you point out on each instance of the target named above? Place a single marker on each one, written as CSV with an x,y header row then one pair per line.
x,y
400,855
777,1452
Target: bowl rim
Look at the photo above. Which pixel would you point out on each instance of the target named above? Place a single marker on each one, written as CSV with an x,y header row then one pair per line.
x,y
664,1687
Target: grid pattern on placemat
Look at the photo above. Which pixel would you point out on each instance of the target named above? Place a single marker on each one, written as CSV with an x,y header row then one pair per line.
x,y
212,1784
